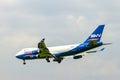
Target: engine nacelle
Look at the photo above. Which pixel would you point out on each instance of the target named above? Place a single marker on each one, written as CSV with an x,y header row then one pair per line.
x,y
77,57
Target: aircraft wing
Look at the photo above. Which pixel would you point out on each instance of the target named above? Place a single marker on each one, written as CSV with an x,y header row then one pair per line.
x,y
43,50
45,53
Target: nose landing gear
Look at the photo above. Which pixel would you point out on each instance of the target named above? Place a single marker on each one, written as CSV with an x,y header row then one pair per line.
x,y
24,63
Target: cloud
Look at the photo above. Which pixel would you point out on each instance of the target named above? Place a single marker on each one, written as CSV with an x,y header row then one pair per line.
x,y
8,2
91,67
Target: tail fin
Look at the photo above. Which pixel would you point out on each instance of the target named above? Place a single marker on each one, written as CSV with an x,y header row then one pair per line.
x,y
96,35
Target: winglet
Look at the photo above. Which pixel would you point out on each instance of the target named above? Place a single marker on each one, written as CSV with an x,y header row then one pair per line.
x,y
43,40
42,44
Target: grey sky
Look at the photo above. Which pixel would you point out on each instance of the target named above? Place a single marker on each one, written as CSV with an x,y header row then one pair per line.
x,y
23,23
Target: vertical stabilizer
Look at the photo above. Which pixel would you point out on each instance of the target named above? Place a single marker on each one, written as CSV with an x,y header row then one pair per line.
x,y
96,35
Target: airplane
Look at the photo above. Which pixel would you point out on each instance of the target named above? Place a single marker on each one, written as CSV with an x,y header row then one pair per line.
x,y
58,53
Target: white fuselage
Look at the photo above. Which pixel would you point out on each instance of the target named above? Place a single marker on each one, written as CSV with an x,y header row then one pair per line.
x,y
53,50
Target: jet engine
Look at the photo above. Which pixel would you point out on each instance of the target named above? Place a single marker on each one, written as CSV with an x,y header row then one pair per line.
x,y
77,57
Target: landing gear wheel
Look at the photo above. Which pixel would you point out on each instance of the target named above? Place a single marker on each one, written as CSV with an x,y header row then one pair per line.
x,y
24,62
59,61
47,59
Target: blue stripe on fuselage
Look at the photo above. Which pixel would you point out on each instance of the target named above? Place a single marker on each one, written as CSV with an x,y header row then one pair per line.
x,y
80,48
28,55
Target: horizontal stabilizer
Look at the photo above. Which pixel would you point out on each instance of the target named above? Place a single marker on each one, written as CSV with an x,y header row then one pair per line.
x,y
102,49
107,43
96,51
91,52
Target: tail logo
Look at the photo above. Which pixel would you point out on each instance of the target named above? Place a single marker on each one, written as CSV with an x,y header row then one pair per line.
x,y
95,35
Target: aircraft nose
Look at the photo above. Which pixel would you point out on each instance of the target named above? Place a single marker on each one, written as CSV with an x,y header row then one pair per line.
x,y
18,55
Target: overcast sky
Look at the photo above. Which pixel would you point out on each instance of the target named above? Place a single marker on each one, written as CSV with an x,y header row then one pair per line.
x,y
23,23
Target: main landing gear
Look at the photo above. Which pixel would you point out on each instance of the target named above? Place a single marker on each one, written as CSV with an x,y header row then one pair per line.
x,y
58,60
47,59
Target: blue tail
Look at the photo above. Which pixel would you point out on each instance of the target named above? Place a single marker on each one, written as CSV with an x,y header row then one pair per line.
x,y
96,35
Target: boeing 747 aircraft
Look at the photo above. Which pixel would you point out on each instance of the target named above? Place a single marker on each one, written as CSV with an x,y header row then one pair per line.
x,y
58,53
